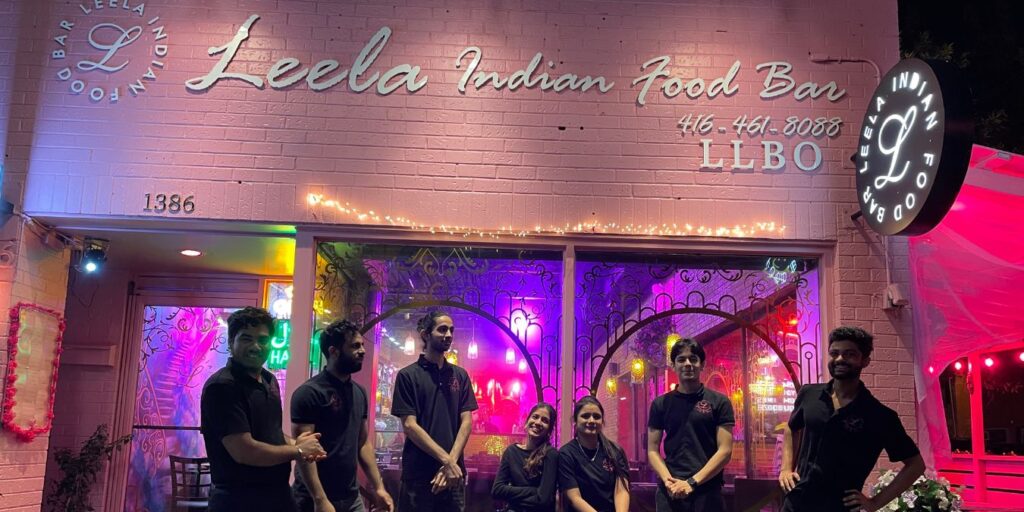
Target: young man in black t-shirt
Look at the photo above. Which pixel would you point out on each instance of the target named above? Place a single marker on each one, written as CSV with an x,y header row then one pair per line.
x,y
250,457
842,429
696,424
435,402
334,406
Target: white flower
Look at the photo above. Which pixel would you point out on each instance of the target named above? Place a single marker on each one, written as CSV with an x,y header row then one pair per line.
x,y
943,503
909,497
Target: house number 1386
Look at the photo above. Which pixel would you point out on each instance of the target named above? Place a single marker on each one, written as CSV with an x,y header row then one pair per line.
x,y
173,203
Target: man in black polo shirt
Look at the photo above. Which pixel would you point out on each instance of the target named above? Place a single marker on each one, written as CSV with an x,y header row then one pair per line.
x,y
842,430
696,423
435,401
250,457
335,407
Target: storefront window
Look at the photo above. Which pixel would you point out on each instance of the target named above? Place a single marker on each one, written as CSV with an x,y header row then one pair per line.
x,y
1002,393
955,383
506,308
757,317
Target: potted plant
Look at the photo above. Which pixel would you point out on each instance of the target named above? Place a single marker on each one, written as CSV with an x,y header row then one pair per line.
x,y
930,492
71,492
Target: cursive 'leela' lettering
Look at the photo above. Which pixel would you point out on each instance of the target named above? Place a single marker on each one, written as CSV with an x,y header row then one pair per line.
x,y
289,71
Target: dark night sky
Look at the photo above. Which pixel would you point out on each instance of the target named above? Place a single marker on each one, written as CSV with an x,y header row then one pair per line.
x,y
987,40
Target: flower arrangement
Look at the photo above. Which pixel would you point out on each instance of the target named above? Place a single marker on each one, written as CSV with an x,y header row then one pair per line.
x,y
930,492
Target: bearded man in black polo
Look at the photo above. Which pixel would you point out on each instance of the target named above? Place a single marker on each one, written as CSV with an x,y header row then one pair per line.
x,y
696,424
250,457
842,430
435,401
334,406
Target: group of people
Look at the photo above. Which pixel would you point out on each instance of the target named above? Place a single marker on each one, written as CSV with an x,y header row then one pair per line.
x,y
833,439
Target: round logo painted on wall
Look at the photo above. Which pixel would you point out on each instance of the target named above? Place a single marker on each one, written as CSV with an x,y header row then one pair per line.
x,y
100,50
914,147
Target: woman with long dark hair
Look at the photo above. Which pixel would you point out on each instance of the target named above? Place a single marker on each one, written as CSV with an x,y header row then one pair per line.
x,y
593,471
528,473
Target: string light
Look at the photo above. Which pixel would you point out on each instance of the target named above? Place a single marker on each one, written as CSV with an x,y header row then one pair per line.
x,y
755,230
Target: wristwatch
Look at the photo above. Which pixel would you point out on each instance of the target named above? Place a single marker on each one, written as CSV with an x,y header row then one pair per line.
x,y
692,482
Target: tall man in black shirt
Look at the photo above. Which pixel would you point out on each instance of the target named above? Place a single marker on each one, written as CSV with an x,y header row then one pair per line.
x,y
696,424
250,457
334,406
842,429
435,401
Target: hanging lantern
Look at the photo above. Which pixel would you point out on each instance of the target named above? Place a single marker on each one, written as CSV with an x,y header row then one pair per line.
x,y
612,385
671,340
410,346
510,356
473,351
522,366
516,387
636,370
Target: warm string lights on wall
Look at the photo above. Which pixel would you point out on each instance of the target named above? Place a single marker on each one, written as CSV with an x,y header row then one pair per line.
x,y
756,230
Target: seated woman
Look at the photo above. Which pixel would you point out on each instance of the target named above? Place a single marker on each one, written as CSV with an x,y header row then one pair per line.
x,y
528,473
593,471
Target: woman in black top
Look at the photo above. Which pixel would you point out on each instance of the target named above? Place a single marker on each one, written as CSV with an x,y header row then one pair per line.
x,y
593,471
529,472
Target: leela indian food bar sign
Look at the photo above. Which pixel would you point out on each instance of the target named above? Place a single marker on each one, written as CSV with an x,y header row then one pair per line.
x,y
914,147
107,39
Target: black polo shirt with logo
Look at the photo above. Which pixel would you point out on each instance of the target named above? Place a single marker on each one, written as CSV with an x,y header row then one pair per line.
x,y
437,397
337,410
233,402
838,448
590,471
690,423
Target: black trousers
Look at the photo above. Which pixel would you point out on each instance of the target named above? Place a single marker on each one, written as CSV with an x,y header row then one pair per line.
x,y
417,497
252,499
706,500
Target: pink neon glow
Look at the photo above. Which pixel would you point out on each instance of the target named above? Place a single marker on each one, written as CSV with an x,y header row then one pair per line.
x,y
931,369
958,366
989,362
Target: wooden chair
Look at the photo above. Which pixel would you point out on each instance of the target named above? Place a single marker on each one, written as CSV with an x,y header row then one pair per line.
x,y
190,483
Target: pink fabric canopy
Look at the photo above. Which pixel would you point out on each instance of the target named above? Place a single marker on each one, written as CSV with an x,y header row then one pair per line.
x,y
968,279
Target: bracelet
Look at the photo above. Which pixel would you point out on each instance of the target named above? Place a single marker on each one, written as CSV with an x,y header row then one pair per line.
x,y
301,456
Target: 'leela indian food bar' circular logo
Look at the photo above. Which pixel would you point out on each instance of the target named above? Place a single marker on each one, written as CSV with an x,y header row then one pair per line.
x,y
914,147
112,63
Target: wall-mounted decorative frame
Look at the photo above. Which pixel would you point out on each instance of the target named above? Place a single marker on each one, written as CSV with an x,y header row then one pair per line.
x,y
33,347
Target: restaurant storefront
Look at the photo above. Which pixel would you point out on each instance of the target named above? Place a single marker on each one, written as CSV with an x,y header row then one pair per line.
x,y
578,183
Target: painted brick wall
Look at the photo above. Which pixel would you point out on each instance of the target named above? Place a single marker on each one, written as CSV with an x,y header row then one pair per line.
x,y
485,158
437,156
31,270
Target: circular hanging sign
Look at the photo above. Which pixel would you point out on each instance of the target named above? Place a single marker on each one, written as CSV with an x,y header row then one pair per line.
x,y
914,147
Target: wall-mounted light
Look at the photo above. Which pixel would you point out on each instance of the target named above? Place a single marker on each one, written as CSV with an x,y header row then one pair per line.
x,y
94,255
636,370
